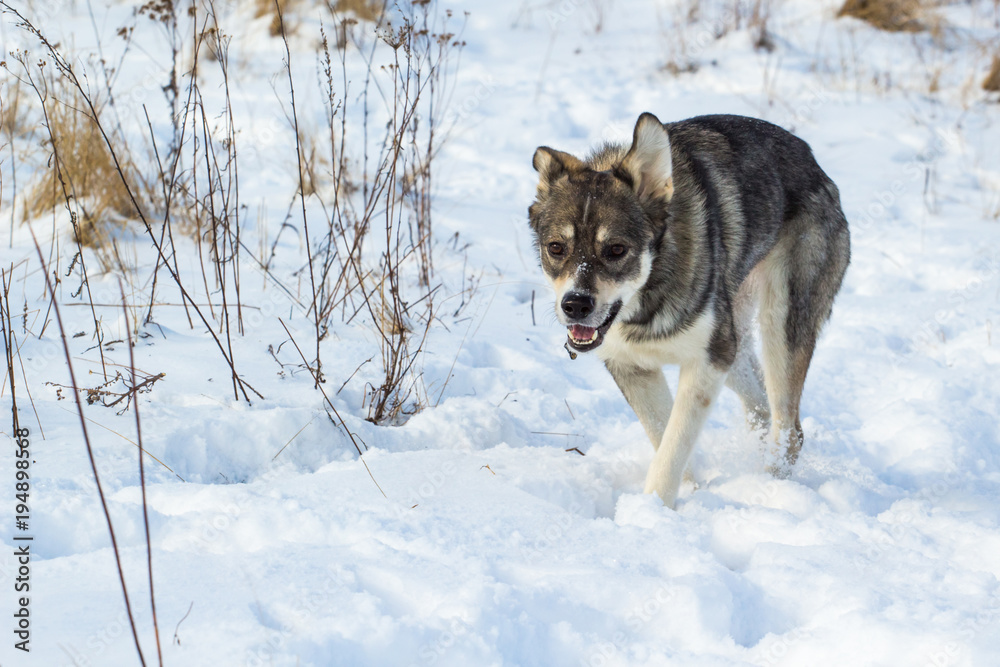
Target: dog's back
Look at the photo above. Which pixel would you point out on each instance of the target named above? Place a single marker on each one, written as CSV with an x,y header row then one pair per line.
x,y
768,171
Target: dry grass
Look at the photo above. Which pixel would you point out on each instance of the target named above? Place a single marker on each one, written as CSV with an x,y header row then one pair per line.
x,y
14,121
365,10
82,163
316,169
266,8
16,138
992,80
757,21
889,15
350,12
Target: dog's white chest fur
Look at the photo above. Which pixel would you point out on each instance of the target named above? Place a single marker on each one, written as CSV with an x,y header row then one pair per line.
x,y
688,345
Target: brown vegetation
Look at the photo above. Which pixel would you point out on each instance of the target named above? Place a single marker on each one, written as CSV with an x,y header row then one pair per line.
x,y
890,15
992,80
82,169
267,8
365,10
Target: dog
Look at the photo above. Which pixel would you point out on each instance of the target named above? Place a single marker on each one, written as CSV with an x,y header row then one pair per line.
x,y
663,252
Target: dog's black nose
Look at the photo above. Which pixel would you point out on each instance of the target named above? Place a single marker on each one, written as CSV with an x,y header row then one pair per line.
x,y
577,306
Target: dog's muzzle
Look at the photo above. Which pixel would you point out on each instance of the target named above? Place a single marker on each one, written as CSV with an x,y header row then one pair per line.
x,y
582,338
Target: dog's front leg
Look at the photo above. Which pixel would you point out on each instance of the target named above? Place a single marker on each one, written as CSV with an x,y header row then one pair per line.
x,y
647,392
698,386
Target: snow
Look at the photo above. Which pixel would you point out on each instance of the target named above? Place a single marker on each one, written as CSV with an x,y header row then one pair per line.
x,y
496,542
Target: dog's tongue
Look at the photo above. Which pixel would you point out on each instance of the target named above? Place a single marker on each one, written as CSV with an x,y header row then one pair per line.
x,y
580,332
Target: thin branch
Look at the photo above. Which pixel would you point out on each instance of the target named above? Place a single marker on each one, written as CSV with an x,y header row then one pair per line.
x,y
66,69
343,424
142,476
302,191
86,440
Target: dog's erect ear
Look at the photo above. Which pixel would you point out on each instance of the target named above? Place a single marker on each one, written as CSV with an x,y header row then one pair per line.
x,y
551,165
648,161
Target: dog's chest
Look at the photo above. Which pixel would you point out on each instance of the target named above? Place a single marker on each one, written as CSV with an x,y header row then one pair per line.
x,y
688,345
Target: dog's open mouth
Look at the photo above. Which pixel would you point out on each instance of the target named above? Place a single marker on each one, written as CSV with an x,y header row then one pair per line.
x,y
584,339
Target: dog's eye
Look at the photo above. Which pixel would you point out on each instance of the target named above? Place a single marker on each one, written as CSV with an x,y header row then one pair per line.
x,y
616,251
556,249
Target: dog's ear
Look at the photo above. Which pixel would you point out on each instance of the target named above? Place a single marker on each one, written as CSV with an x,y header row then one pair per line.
x,y
552,165
648,161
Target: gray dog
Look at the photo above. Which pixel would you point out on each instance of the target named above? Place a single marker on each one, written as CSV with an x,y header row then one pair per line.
x,y
663,251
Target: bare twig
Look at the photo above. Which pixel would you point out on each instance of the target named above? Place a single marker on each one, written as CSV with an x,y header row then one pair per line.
x,y
302,193
64,67
10,345
285,446
177,639
142,478
340,419
90,450
135,444
41,90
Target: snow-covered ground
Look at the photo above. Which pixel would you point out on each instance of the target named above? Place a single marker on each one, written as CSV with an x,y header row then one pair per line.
x,y
498,543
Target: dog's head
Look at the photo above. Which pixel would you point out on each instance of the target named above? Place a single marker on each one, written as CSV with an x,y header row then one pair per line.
x,y
596,225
